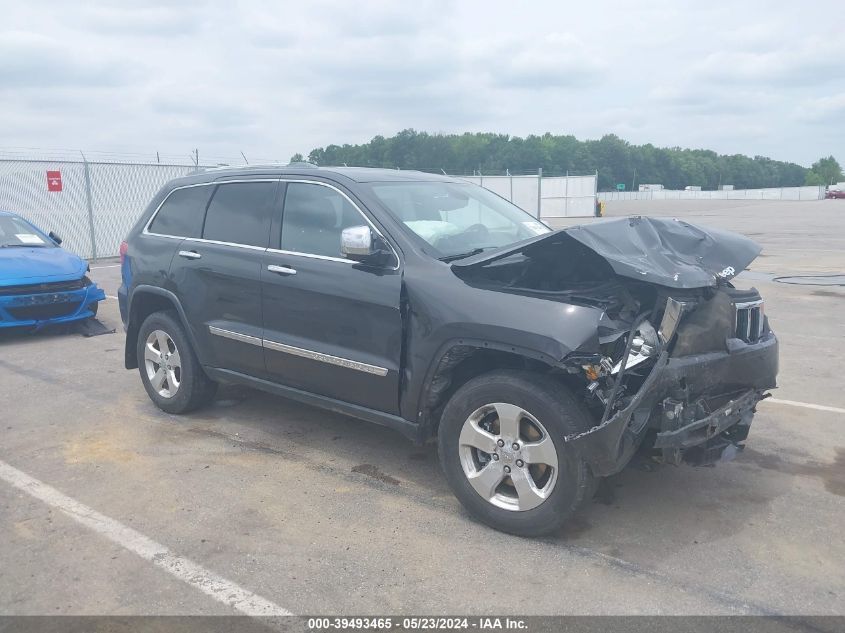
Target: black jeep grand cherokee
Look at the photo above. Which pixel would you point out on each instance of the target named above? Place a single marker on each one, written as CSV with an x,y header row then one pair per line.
x,y
539,360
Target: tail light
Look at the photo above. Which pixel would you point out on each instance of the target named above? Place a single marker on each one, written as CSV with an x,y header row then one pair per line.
x,y
124,247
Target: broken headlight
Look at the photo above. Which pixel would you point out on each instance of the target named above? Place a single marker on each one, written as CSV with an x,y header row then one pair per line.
x,y
643,347
602,376
671,317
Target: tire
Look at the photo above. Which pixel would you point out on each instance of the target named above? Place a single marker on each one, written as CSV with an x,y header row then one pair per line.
x,y
538,399
185,385
94,307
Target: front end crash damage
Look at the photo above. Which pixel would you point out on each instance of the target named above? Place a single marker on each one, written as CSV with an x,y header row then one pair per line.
x,y
680,357
698,408
688,390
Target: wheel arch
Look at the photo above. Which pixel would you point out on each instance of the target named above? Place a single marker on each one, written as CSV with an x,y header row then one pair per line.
x,y
459,361
144,301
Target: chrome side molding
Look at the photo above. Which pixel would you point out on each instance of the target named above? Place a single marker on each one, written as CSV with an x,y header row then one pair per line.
x,y
325,358
299,351
235,336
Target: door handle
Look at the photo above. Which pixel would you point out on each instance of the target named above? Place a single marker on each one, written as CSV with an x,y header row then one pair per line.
x,y
282,270
189,254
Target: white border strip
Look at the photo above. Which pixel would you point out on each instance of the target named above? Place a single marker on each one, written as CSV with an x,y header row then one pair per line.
x,y
805,405
189,572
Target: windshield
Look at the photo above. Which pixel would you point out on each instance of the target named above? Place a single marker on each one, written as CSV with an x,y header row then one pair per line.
x,y
15,232
458,220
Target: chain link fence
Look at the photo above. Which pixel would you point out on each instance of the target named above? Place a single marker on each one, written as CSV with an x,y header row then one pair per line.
x,y
90,205
93,204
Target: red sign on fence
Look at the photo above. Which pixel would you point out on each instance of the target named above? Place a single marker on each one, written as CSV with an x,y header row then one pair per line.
x,y
54,180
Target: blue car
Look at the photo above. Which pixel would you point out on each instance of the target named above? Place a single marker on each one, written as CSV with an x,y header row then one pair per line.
x,y
40,282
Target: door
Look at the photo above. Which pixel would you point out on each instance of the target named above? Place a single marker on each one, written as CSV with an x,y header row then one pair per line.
x,y
217,277
331,326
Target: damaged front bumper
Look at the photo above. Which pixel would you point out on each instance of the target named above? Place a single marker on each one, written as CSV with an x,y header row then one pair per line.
x,y
50,306
677,400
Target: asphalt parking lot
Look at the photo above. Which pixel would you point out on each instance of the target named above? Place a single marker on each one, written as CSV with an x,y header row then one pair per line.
x,y
318,513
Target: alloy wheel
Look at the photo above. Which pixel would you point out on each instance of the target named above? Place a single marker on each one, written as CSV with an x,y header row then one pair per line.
x,y
508,457
162,363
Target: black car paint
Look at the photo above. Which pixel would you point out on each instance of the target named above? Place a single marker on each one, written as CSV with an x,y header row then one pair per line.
x,y
407,318
669,252
222,290
336,308
444,314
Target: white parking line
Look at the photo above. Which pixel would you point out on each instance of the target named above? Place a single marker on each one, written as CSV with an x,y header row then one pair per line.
x,y
111,297
107,266
806,405
187,571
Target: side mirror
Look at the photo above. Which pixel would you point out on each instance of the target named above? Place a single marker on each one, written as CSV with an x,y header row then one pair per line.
x,y
55,238
362,244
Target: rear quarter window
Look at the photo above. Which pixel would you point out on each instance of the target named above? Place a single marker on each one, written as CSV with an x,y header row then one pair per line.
x,y
182,212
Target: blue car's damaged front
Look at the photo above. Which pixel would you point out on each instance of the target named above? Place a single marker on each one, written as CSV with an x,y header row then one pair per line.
x,y
41,283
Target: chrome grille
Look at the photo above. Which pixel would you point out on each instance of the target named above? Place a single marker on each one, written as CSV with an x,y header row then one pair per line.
x,y
749,319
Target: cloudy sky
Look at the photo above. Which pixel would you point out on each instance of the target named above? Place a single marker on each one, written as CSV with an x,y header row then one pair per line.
x,y
274,78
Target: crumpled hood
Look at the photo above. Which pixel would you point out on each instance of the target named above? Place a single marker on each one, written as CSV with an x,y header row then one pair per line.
x,y
38,265
663,251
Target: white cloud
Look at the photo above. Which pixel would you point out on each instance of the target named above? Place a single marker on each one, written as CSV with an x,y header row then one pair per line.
x,y
805,63
546,62
827,110
271,79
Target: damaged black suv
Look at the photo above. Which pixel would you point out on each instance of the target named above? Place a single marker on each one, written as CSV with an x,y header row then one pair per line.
x,y
539,360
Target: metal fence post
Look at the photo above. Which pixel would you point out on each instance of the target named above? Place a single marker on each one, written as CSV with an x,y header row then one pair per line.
x,y
510,175
566,195
540,193
596,188
89,203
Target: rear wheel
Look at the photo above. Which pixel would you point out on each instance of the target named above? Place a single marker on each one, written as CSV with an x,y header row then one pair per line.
x,y
501,447
169,368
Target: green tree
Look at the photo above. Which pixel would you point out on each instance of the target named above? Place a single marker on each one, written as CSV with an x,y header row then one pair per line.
x,y
613,158
814,179
296,158
828,170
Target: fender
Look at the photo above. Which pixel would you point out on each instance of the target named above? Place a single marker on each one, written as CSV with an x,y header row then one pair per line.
x,y
130,355
424,387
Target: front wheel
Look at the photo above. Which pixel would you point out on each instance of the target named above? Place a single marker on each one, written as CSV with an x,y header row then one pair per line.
x,y
502,450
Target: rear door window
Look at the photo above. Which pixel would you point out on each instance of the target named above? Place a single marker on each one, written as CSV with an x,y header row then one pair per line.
x,y
182,212
241,213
